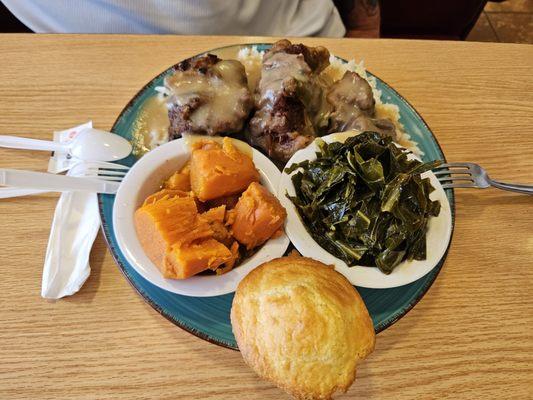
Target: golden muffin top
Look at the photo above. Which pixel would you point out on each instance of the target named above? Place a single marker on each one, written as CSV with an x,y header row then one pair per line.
x,y
301,325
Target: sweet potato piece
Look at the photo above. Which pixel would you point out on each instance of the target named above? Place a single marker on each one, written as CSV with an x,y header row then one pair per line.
x,y
185,261
230,217
228,266
215,214
235,253
173,193
181,179
228,201
215,219
166,192
220,171
221,233
257,216
167,222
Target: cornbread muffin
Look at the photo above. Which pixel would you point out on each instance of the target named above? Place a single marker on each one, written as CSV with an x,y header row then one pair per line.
x,y
301,325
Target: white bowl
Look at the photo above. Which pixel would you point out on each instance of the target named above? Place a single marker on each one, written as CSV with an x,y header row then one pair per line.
x,y
145,178
437,238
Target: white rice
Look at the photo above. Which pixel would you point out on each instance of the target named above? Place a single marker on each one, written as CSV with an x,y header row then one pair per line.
x,y
162,91
250,54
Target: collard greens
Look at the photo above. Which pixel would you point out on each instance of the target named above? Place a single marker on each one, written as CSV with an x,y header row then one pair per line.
x,y
364,201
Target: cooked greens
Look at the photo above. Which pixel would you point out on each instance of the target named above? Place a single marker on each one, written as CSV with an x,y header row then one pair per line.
x,y
364,201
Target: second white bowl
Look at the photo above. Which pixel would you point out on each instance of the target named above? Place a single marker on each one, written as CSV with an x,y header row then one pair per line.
x,y
437,238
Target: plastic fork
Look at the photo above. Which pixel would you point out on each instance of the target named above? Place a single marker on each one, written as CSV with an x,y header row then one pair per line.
x,y
470,175
91,177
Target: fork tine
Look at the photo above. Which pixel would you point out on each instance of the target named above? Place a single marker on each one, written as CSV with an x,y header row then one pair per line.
x,y
110,178
116,166
453,165
121,168
102,172
458,185
106,165
452,171
455,178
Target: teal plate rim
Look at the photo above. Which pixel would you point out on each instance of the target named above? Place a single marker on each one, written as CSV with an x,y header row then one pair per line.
x,y
121,261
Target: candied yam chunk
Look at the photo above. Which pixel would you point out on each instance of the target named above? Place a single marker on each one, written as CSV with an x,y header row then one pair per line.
x,y
167,222
228,201
166,192
215,214
185,261
174,193
180,180
228,266
257,216
221,233
215,218
235,256
219,171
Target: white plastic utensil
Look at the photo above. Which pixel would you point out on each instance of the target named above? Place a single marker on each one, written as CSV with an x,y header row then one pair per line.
x,y
9,192
74,228
108,180
90,144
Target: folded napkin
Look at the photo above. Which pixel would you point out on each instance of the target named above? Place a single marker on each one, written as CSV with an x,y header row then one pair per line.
x,y
74,229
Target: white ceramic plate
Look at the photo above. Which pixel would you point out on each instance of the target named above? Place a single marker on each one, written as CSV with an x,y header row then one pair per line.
x,y
143,179
437,239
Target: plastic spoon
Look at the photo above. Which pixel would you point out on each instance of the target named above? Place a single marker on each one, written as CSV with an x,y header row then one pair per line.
x,y
89,145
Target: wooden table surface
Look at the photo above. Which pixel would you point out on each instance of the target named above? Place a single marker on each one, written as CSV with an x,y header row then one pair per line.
x,y
469,338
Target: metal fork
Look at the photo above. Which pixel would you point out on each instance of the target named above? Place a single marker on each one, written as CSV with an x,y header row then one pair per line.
x,y
470,175
90,177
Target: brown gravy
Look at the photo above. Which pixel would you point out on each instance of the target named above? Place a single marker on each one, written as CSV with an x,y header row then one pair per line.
x,y
151,125
219,92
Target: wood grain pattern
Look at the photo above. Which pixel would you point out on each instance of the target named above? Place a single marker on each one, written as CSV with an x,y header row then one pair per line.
x,y
469,338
